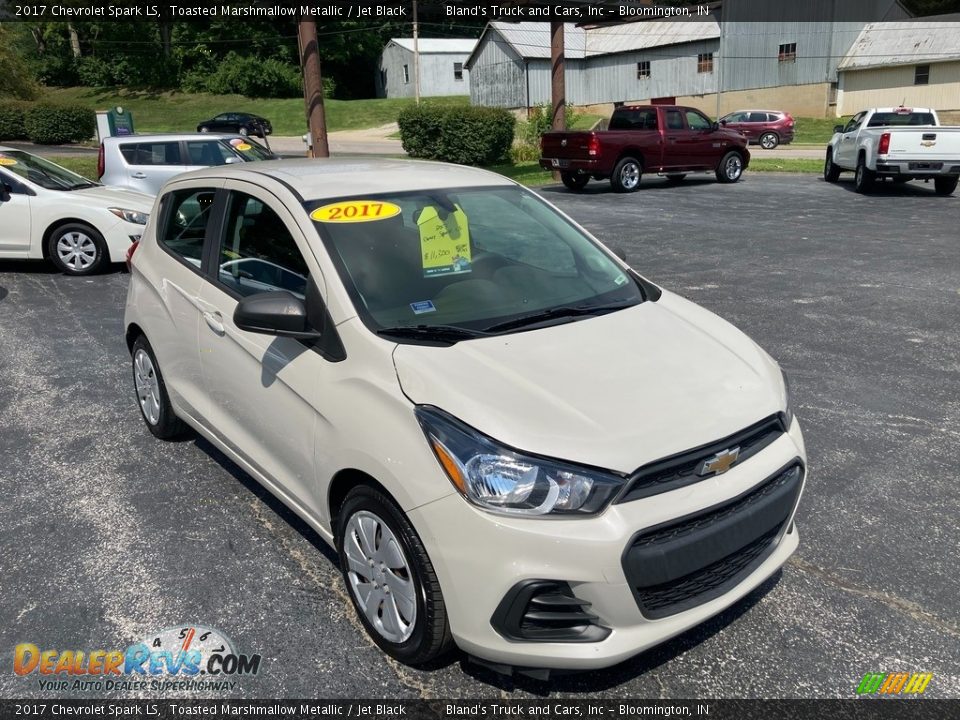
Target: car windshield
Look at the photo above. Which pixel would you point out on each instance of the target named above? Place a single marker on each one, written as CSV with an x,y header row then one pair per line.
x,y
250,151
467,261
42,172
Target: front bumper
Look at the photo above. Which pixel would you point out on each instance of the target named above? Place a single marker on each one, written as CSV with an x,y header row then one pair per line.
x,y
479,558
119,237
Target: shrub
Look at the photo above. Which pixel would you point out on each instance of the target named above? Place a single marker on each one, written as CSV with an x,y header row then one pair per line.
x,y
250,76
12,114
465,135
541,121
54,124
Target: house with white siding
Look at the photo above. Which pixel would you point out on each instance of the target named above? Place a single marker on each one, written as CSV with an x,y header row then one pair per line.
x,y
442,64
910,63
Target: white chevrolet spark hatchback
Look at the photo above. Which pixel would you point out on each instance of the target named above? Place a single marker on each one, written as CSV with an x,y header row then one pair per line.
x,y
516,443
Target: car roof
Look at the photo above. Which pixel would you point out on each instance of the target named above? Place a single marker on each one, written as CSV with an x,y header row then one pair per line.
x,y
779,112
156,137
323,178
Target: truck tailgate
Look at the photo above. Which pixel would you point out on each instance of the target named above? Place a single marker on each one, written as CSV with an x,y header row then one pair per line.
x,y
941,144
566,145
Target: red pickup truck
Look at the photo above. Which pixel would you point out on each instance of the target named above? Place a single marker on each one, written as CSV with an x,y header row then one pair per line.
x,y
665,139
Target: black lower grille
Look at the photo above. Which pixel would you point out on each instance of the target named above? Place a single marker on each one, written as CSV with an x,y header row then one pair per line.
x,y
685,563
546,611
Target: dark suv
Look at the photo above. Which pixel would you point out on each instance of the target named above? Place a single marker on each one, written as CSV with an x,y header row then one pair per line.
x,y
767,128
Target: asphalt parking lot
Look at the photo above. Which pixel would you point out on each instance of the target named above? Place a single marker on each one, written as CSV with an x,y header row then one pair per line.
x,y
107,535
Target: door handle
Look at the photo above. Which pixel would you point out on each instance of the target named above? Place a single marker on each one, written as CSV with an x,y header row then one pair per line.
x,y
214,321
139,176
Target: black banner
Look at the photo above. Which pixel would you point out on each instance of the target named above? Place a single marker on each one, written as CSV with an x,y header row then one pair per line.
x,y
865,709
574,11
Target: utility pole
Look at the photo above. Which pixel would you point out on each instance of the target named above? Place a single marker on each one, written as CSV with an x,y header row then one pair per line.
x,y
557,81
313,88
416,54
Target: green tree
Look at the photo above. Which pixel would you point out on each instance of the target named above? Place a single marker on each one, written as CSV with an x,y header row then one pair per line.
x,y
16,80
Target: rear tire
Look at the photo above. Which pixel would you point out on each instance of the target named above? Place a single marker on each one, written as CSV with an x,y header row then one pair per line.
x,y
831,171
574,182
379,548
730,168
77,249
863,177
945,185
769,140
152,397
626,175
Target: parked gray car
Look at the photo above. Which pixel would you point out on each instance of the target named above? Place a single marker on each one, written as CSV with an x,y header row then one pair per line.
x,y
146,162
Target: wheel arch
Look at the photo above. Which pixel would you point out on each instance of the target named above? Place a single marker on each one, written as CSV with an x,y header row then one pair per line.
x,y
59,223
340,485
634,152
132,333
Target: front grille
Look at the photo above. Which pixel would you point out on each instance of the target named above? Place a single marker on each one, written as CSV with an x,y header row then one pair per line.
x,y
685,563
546,611
680,470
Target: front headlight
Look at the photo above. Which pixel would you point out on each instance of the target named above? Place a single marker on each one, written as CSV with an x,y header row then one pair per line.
x,y
131,216
499,479
787,405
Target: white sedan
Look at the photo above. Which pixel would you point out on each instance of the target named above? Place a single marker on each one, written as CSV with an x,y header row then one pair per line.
x,y
47,211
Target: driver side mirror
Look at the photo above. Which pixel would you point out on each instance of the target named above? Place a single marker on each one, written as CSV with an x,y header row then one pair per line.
x,y
6,190
232,160
274,313
716,125
838,128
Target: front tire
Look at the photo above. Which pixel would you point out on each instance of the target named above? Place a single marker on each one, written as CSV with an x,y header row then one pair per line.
x,y
730,168
574,182
152,397
390,578
945,185
863,177
204,129
768,141
626,175
77,249
831,171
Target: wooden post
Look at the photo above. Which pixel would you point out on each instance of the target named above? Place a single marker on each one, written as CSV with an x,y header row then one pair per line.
x,y
313,89
557,84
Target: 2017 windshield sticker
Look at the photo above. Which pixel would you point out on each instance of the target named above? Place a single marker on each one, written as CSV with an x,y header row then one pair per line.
x,y
7,160
444,243
354,211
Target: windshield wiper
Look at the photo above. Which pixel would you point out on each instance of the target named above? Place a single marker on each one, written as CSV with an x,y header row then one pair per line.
x,y
83,186
563,311
443,333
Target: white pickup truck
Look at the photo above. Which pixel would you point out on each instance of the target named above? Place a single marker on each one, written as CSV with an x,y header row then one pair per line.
x,y
899,143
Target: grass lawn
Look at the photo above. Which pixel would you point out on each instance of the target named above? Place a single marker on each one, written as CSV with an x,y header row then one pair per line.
x,y
815,131
180,112
85,165
793,165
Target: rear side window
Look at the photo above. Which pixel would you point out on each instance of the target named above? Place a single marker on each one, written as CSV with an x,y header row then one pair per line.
x,y
207,152
156,153
257,253
758,117
634,120
186,223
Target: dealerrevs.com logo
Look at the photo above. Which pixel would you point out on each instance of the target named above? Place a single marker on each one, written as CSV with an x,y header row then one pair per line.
x,y
902,683
189,657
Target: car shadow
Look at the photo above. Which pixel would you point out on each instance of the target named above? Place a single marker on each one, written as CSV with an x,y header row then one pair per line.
x,y
559,681
3,293
45,267
885,188
602,187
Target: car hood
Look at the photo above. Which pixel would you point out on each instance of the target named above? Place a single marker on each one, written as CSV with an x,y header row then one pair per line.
x,y
615,391
114,197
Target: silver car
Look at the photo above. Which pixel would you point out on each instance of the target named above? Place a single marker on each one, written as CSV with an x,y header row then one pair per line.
x,y
146,162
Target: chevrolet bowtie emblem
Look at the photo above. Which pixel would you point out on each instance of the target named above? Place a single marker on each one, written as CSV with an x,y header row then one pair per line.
x,y
719,463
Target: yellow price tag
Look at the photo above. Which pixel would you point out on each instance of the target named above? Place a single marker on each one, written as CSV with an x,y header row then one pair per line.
x,y
243,147
354,211
7,161
444,244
